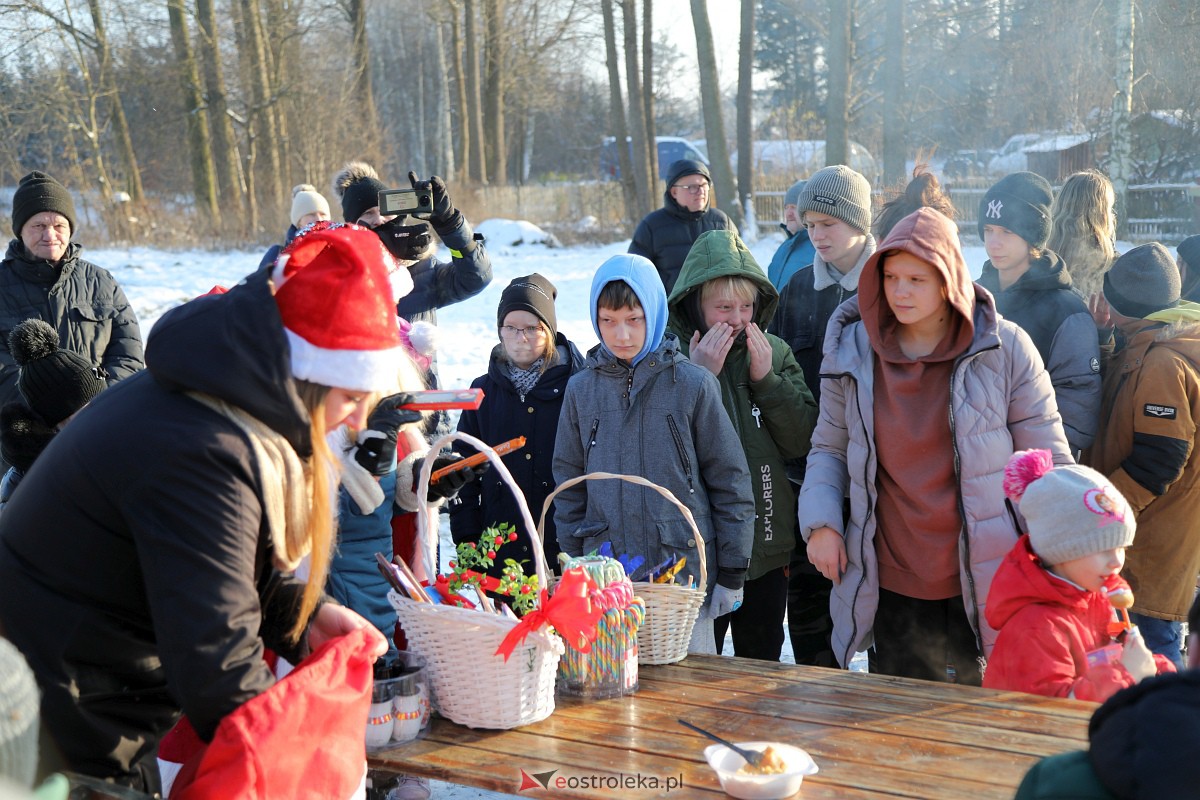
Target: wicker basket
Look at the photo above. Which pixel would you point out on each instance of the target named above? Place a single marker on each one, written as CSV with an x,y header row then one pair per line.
x,y
459,644
671,609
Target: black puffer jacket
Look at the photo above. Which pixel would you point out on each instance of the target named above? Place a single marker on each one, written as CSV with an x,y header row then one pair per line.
x,y
505,415
80,300
135,561
665,236
437,284
1045,306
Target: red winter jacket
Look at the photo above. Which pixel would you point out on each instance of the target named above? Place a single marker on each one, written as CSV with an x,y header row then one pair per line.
x,y
1047,627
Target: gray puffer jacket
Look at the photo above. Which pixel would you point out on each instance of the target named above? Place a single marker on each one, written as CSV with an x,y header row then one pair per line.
x,y
81,301
662,420
1001,401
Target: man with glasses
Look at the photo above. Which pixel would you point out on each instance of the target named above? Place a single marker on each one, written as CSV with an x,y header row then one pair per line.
x,y
665,236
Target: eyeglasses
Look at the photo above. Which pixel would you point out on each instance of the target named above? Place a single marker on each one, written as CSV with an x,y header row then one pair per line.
x,y
530,333
693,188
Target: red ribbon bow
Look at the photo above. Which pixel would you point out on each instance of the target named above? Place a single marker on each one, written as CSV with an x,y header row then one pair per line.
x,y
569,611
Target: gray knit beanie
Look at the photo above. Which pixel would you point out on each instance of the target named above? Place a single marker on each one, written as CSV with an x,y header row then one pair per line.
x,y
18,717
1071,511
793,193
1142,281
839,192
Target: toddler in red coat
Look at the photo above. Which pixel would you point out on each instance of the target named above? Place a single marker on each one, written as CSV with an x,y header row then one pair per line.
x,y
1050,597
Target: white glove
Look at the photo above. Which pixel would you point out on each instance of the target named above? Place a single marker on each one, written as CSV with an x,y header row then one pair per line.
x,y
725,601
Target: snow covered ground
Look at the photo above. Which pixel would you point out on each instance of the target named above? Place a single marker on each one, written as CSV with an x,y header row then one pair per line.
x,y
157,280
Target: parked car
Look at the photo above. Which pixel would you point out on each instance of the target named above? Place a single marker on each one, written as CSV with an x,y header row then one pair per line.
x,y
670,150
793,159
1011,156
967,163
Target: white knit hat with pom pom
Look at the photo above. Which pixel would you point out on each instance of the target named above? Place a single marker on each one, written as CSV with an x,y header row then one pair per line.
x,y
1071,511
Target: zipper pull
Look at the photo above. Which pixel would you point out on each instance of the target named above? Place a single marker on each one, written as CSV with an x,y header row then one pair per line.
x,y
756,413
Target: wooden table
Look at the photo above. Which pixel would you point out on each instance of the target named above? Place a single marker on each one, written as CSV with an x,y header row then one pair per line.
x,y
871,735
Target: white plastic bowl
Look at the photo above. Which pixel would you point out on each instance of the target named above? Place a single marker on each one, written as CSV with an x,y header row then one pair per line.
x,y
726,764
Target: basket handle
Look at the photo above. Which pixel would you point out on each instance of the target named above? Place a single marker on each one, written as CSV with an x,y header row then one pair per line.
x,y
535,533
640,481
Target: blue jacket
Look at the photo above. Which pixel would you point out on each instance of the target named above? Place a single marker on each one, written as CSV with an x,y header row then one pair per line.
x,y
354,580
504,415
661,418
794,254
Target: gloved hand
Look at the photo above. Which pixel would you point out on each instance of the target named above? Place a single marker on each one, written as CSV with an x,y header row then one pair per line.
x,y
445,218
725,600
448,486
405,242
377,444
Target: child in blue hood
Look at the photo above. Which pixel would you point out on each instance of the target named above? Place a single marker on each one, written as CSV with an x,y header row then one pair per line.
x,y
639,407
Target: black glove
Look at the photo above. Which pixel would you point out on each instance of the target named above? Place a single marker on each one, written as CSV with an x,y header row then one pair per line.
x,y
449,485
405,242
377,444
445,218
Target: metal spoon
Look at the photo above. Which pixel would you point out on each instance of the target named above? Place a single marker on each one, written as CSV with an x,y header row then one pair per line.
x,y
753,757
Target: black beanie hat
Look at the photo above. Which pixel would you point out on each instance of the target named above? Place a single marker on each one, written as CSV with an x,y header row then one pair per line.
x,y
54,383
359,196
684,167
534,294
39,192
1020,202
1142,281
1189,251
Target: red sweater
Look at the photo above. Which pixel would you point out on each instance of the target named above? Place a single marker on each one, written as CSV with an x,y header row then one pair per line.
x,y
1047,627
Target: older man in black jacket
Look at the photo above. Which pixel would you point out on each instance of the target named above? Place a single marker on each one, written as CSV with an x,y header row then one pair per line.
x,y
665,236
42,276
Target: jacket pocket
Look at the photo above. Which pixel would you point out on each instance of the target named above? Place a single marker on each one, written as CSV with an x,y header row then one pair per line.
x,y
676,538
93,313
592,535
590,443
804,336
685,460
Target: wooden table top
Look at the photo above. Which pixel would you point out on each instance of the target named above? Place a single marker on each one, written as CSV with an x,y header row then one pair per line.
x,y
871,735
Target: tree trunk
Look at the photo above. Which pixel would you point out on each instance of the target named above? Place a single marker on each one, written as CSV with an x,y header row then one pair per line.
x,y
714,121
648,87
642,178
895,119
262,129
837,122
463,137
493,92
360,58
204,184
1120,159
745,118
225,153
444,157
477,166
108,84
617,109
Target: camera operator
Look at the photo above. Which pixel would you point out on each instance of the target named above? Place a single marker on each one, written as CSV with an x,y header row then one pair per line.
x,y
435,283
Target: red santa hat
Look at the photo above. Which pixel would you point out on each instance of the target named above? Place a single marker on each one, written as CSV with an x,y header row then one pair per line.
x,y
335,297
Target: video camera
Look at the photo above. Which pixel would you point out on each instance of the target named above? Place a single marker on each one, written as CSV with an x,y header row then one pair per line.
x,y
405,201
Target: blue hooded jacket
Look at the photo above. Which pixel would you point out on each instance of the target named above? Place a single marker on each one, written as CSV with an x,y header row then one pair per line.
x,y
641,275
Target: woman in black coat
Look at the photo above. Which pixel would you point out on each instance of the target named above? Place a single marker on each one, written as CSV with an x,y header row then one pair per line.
x,y
523,393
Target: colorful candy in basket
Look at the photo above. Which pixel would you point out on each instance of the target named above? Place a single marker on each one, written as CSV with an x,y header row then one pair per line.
x,y
608,665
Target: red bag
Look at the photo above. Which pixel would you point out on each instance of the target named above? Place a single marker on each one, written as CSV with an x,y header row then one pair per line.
x,y
305,737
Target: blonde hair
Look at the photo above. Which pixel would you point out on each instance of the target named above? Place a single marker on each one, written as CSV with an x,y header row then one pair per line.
x,y
323,469
1083,229
733,286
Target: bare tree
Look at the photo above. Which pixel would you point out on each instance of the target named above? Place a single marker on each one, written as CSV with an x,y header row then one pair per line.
x,y
204,182
477,165
714,121
224,142
642,177
458,62
745,118
617,109
895,123
648,86
837,122
1120,166
493,92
